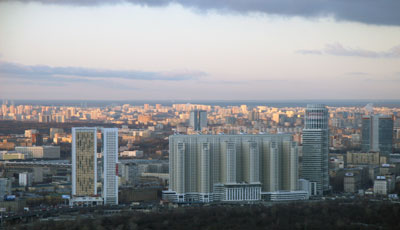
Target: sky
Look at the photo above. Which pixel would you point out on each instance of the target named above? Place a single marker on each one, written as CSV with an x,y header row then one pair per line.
x,y
199,49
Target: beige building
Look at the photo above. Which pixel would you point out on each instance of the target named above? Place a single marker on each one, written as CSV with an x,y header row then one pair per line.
x,y
352,182
11,156
381,186
84,161
371,158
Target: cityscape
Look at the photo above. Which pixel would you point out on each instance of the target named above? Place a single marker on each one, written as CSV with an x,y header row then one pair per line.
x,y
199,114
156,156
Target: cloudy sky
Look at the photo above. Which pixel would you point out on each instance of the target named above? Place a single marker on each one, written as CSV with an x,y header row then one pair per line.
x,y
200,49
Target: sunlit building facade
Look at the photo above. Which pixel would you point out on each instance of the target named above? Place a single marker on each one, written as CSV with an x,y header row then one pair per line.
x,y
84,161
206,168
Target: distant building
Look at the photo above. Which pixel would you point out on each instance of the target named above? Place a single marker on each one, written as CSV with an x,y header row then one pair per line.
x,y
110,158
25,179
7,155
315,147
54,131
198,119
40,151
129,173
144,118
370,158
84,161
377,134
37,139
254,115
380,186
44,118
383,185
307,186
207,168
135,153
352,182
7,145
29,132
5,187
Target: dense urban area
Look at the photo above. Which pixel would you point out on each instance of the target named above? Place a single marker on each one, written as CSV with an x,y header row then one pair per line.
x,y
178,164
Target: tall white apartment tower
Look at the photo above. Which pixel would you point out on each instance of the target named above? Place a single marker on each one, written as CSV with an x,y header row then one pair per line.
x,y
110,170
316,146
84,161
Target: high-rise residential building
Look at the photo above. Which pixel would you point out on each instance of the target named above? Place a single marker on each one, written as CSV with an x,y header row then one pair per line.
x,y
84,161
206,168
377,134
198,119
316,147
110,170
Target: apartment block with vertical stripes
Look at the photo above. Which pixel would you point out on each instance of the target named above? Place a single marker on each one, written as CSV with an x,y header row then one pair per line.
x,y
231,168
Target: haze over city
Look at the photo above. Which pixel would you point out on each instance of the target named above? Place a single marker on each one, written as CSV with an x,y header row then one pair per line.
x,y
199,50
199,114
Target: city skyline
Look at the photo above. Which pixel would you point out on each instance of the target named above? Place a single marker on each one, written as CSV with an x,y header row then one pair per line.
x,y
199,50
226,114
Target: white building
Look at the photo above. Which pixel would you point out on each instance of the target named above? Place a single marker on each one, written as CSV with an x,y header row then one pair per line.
x,y
286,195
206,168
135,153
25,179
110,159
381,186
52,152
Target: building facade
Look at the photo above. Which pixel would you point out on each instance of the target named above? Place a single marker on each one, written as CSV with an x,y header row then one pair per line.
x,y
5,187
198,119
206,168
51,152
110,170
84,161
316,147
370,158
377,134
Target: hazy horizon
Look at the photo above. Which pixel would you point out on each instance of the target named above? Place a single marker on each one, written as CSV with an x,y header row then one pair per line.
x,y
251,103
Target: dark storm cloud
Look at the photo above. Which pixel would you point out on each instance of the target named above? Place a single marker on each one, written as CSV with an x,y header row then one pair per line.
x,y
380,12
79,74
338,49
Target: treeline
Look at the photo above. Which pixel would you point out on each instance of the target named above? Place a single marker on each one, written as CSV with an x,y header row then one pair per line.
x,y
45,200
318,215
